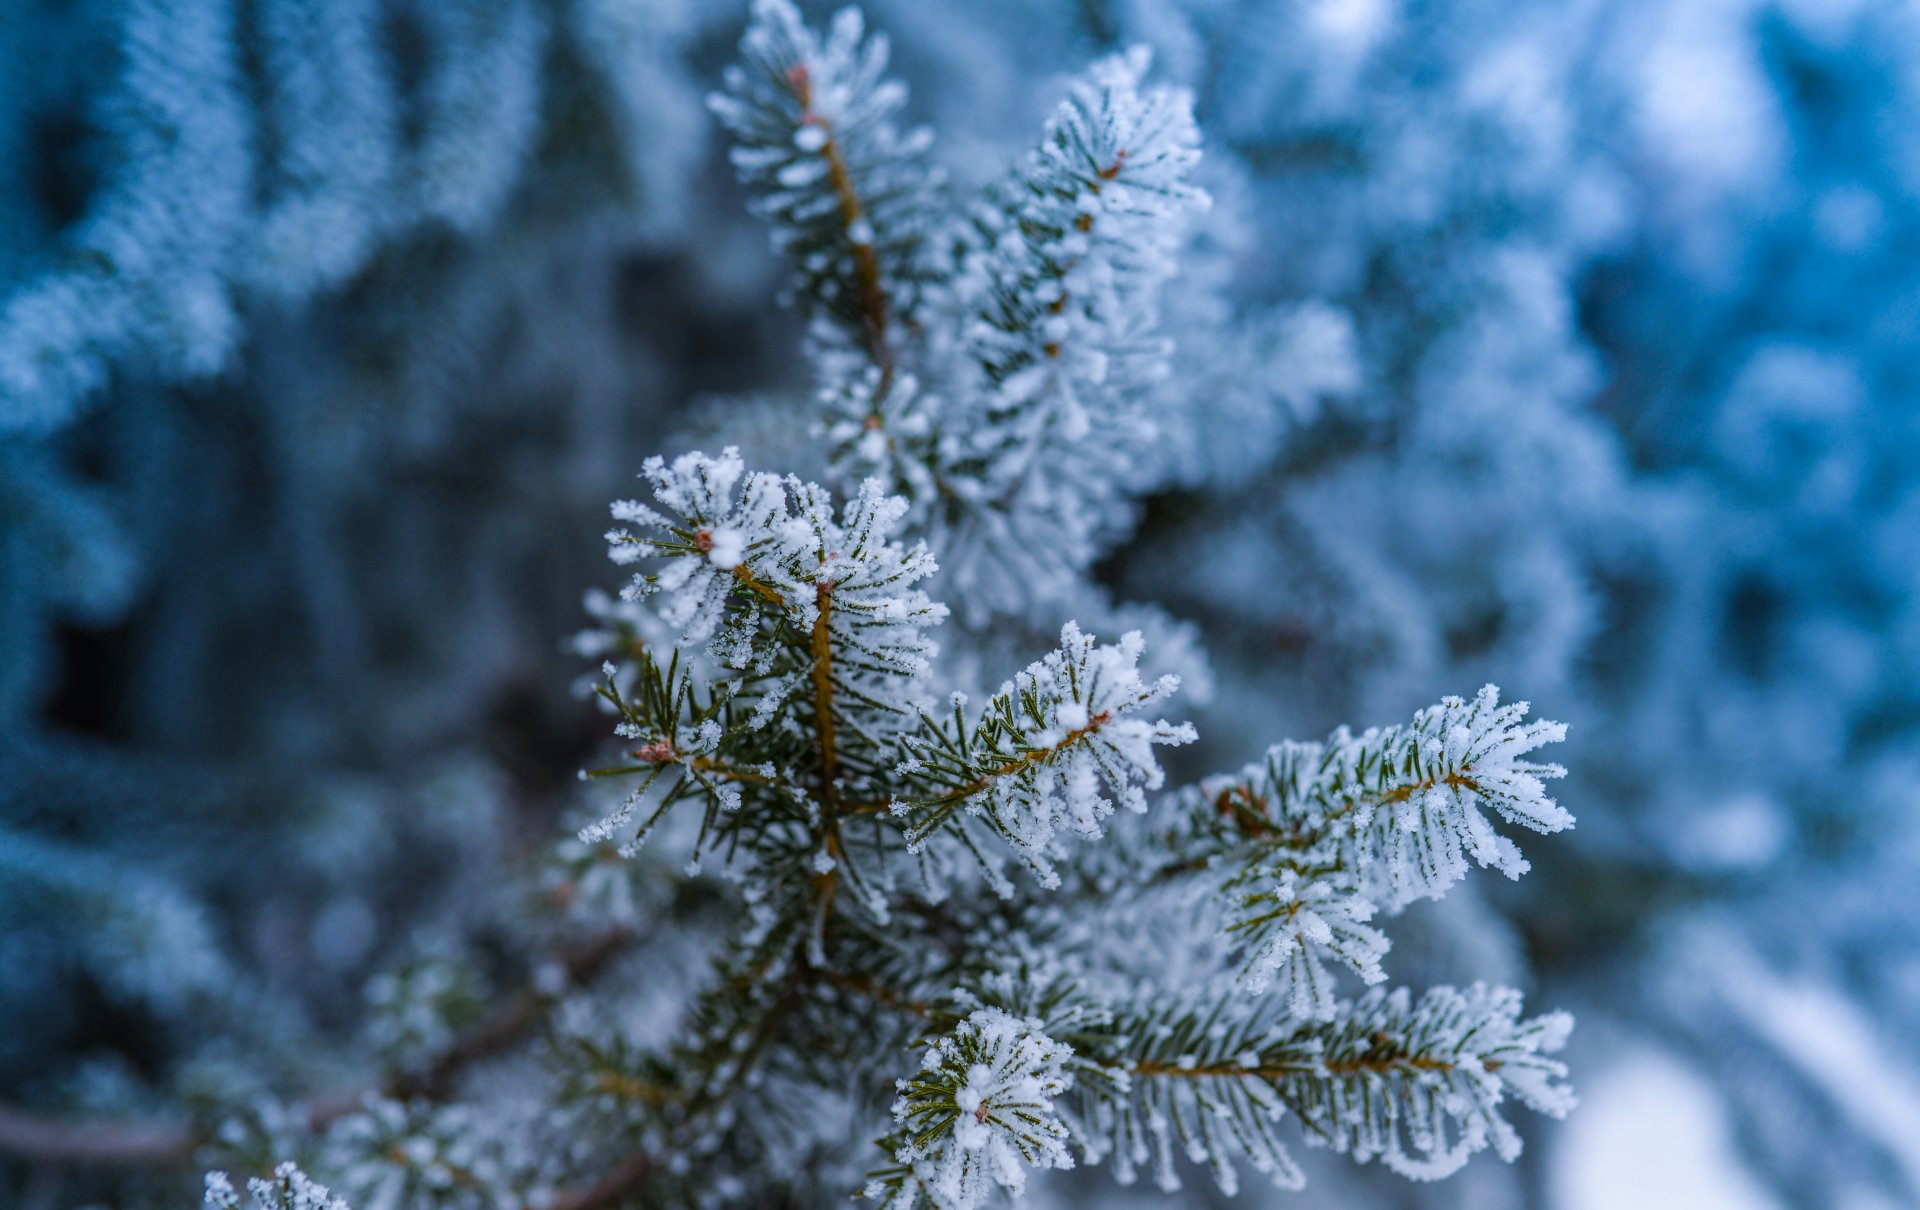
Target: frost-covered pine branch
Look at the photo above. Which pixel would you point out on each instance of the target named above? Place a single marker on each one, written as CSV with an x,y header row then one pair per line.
x,y
1053,749
1416,1084
1312,842
1004,331
978,1115
849,196
288,1189
878,950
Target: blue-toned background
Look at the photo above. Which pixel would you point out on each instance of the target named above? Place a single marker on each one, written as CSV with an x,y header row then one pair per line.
x,y
328,329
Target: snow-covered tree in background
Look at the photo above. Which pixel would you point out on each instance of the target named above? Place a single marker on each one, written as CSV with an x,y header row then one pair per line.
x,y
272,275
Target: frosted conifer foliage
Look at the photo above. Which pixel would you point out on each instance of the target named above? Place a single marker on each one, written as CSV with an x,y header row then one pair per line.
x,y
834,911
914,884
978,1114
998,333
289,1189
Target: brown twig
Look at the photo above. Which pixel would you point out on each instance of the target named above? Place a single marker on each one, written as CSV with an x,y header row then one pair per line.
x,y
866,264
131,1145
608,1190
90,1144
1378,1064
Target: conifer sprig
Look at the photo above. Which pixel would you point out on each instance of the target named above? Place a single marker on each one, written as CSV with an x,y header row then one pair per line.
x,y
1417,1084
1061,276
1054,749
994,388
847,194
1308,845
977,1115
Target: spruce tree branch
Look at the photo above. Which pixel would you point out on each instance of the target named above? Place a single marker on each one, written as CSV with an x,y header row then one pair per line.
x,y
820,645
726,772
663,753
1250,813
767,592
616,1186
1376,1064
1018,764
874,307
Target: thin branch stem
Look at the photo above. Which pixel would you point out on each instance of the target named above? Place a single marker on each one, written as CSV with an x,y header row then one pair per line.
x,y
874,306
94,1144
1026,760
820,645
1379,1065
87,1143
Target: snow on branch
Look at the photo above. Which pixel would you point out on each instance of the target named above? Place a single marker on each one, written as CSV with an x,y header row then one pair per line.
x,y
1313,841
845,191
1055,747
977,1115
996,380
1042,454
1420,1085
774,548
289,1189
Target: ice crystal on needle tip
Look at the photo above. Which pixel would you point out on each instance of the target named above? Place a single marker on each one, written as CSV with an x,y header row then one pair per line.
x,y
289,1189
978,1115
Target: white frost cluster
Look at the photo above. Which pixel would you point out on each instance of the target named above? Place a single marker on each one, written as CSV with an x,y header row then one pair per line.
x,y
1308,917
1404,808
289,1189
775,544
1456,758
1320,837
980,1113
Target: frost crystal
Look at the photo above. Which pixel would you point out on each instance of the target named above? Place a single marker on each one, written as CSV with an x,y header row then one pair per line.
x,y
775,545
289,1189
980,1112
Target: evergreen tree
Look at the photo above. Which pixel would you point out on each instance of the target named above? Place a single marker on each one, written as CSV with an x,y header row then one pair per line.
x,y
1562,347
890,882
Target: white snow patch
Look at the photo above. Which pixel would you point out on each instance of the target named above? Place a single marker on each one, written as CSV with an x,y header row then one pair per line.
x,y
1651,1134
